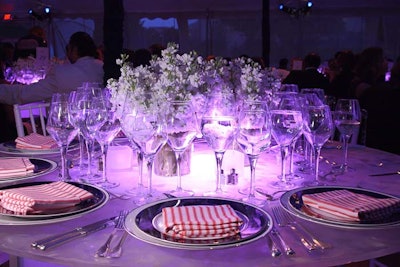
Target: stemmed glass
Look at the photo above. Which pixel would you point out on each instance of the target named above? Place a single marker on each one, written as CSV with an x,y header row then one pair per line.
x,y
318,124
254,137
219,126
286,120
347,118
181,129
104,136
89,110
145,129
61,129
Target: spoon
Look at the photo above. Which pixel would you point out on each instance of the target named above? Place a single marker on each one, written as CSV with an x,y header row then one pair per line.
x,y
270,197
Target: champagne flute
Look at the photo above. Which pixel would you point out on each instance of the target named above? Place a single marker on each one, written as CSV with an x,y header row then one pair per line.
x,y
254,137
286,120
181,128
318,126
347,118
218,127
104,136
61,129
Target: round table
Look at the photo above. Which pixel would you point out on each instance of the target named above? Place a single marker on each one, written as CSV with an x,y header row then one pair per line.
x,y
348,245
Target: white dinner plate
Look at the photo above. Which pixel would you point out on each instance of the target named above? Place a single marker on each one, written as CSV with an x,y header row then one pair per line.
x,y
292,202
42,167
140,224
99,200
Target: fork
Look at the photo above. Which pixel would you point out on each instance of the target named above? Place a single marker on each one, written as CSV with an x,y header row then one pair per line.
x,y
282,218
105,248
116,252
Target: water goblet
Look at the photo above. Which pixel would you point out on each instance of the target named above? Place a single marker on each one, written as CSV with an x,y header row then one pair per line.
x,y
286,121
318,124
59,126
104,135
181,129
145,129
347,118
254,137
218,127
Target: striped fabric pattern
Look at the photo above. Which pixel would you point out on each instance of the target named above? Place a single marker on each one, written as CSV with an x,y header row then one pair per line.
x,y
347,205
201,221
42,198
15,167
36,142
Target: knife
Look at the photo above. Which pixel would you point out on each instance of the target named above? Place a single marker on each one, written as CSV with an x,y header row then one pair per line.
x,y
385,174
59,239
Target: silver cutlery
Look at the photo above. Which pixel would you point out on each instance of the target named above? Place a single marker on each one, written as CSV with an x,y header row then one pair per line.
x,y
56,240
116,251
288,250
284,219
270,197
119,226
275,251
385,174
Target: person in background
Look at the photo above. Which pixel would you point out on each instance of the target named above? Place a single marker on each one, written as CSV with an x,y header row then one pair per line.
x,y
309,76
370,70
282,71
83,67
342,75
26,45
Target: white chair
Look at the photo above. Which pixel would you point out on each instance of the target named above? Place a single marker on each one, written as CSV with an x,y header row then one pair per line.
x,y
31,111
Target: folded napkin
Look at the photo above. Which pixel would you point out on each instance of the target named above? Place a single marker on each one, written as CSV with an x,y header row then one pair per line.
x,y
44,198
35,141
349,206
15,167
201,221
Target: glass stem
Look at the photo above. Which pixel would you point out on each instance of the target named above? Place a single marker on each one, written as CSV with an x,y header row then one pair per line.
x,y
149,165
178,156
89,147
64,168
346,139
219,157
104,149
317,153
284,152
139,155
82,148
253,162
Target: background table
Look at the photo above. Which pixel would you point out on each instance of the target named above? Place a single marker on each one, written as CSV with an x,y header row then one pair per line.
x,y
348,245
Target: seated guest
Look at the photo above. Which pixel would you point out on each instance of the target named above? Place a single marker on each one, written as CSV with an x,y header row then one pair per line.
x,y
309,76
84,67
26,46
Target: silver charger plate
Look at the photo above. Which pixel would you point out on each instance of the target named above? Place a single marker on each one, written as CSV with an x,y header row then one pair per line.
x,y
10,149
140,224
42,167
292,202
100,198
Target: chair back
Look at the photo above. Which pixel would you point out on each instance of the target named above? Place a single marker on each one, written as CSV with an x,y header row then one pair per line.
x,y
33,112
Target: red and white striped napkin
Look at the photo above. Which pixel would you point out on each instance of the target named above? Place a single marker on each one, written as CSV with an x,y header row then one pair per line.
x,y
201,221
349,206
43,198
15,167
36,142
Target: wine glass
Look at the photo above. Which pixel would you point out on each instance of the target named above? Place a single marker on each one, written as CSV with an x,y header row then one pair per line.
x,y
318,124
104,136
254,137
89,110
286,120
181,129
61,129
145,129
218,127
347,118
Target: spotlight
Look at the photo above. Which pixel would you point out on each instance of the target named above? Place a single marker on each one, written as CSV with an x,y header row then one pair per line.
x,y
30,11
47,10
281,7
309,4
